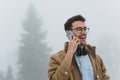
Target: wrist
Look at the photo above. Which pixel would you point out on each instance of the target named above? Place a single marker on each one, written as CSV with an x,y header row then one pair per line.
x,y
68,57
70,52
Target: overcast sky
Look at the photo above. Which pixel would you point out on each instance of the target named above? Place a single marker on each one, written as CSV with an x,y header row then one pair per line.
x,y
102,17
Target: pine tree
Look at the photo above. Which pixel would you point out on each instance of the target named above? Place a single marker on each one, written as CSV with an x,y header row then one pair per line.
x,y
9,75
33,57
1,75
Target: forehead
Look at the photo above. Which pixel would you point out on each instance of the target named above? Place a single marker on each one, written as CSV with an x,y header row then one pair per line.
x,y
78,24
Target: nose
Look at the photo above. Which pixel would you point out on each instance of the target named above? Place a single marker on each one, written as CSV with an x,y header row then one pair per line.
x,y
83,31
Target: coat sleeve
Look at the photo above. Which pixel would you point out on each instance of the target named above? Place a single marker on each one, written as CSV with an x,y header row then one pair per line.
x,y
57,70
103,69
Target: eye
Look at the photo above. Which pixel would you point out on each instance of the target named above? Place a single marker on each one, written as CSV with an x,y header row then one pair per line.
x,y
79,29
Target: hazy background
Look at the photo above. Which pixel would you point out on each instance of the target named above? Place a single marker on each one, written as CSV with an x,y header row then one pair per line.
x,y
102,17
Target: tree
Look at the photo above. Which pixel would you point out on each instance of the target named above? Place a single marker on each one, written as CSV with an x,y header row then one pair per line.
x,y
9,75
33,57
1,75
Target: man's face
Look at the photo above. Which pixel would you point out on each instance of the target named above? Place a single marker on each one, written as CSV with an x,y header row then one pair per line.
x,y
79,30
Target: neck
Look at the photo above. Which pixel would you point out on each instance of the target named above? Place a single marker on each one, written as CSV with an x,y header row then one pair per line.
x,y
82,45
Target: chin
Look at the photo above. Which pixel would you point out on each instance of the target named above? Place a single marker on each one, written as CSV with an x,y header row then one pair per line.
x,y
83,41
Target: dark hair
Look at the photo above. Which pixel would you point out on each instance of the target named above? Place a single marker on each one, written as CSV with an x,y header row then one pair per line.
x,y
68,23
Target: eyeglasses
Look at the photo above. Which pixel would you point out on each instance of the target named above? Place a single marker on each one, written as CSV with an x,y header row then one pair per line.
x,y
79,29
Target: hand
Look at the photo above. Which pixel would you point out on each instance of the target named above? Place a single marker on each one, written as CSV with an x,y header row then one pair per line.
x,y
72,45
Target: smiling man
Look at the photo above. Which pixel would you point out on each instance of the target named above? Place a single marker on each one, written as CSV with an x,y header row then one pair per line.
x,y
78,60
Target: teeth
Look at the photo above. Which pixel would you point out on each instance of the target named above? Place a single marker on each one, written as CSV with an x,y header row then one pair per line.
x,y
82,37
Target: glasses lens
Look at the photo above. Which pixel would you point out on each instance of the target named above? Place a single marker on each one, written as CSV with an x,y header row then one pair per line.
x,y
79,29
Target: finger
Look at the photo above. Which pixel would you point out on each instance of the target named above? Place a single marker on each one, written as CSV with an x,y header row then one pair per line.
x,y
74,38
79,42
76,41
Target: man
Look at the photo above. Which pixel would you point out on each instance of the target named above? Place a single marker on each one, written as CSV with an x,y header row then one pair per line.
x,y
78,60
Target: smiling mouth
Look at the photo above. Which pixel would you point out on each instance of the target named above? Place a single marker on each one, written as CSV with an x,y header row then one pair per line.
x,y
82,37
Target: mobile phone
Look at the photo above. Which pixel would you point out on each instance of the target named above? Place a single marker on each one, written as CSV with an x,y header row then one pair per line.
x,y
69,34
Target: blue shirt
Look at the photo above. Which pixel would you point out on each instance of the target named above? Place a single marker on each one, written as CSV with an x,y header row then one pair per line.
x,y
85,67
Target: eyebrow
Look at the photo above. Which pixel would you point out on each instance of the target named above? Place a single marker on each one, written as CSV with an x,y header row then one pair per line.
x,y
81,27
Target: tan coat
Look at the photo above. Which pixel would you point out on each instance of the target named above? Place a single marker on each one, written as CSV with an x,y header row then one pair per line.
x,y
61,70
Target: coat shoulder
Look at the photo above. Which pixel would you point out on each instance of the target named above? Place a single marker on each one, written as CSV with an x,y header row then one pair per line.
x,y
91,46
59,56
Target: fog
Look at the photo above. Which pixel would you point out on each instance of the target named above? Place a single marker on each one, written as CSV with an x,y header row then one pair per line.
x,y
102,17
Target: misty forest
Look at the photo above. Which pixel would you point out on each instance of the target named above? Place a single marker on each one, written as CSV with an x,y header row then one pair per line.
x,y
33,51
